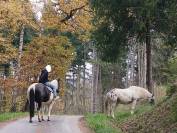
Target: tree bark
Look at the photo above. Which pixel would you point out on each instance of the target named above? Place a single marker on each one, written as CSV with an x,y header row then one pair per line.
x,y
148,52
95,71
20,51
141,62
84,76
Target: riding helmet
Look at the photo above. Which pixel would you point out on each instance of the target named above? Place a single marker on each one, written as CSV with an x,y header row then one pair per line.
x,y
48,68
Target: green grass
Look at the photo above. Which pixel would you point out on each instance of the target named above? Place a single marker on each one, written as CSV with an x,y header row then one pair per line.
x,y
11,116
124,113
100,123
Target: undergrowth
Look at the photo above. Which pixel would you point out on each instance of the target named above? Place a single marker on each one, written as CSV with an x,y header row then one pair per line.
x,y
101,123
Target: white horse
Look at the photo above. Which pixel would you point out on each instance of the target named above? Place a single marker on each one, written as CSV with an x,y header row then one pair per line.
x,y
40,95
126,96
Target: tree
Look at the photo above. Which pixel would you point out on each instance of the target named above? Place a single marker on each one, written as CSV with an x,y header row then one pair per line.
x,y
14,15
117,21
72,15
56,51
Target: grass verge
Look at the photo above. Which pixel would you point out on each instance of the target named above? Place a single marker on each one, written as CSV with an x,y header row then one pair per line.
x,y
11,116
100,123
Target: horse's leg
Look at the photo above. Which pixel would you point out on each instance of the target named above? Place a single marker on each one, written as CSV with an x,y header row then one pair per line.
x,y
109,108
133,106
30,120
42,110
113,106
39,111
49,110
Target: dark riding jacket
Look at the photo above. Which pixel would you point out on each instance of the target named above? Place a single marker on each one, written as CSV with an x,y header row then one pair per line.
x,y
44,76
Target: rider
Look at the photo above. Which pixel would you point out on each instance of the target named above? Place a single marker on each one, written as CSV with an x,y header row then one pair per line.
x,y
44,79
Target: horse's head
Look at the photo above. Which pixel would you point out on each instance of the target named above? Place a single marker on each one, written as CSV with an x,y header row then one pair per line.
x,y
151,99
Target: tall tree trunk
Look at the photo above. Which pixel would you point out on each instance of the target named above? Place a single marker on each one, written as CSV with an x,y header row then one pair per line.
x,y
127,73
95,70
144,62
78,87
131,60
141,62
84,86
17,75
84,89
20,50
148,52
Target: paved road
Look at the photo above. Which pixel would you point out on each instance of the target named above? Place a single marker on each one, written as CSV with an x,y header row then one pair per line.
x,y
58,124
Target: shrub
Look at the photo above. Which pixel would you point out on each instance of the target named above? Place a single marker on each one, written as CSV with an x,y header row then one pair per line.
x,y
171,89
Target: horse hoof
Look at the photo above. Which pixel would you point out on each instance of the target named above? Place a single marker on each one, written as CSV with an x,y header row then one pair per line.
x,y
43,120
30,121
48,120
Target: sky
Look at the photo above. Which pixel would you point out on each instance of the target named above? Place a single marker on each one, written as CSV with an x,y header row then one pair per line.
x,y
38,6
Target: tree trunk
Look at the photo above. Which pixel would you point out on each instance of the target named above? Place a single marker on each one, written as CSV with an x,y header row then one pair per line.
x,y
20,50
141,62
131,60
95,73
84,86
78,89
148,52
17,75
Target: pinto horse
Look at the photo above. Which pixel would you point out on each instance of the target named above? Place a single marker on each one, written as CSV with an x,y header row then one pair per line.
x,y
126,96
39,94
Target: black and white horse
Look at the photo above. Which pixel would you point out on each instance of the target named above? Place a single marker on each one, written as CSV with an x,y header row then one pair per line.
x,y
39,96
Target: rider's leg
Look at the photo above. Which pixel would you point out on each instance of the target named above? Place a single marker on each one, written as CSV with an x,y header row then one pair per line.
x,y
53,88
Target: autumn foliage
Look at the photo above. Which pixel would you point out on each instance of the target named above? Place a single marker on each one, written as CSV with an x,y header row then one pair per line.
x,y
56,51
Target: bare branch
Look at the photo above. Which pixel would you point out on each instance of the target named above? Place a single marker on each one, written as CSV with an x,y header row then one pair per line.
x,y
72,13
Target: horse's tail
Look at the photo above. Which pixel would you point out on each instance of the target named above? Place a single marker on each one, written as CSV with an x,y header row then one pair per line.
x,y
31,102
26,108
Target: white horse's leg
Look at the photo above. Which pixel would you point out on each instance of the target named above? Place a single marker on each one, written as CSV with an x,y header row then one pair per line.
x,y
42,110
133,106
109,109
113,106
49,110
39,115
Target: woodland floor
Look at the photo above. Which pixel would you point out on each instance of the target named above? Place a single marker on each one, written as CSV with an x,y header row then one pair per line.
x,y
161,119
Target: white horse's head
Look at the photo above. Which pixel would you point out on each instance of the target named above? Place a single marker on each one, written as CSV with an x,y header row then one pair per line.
x,y
151,99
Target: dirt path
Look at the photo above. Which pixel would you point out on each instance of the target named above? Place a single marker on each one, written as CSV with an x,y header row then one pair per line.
x,y
58,124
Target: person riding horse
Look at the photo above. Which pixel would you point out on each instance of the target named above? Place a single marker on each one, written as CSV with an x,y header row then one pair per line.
x,y
44,79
